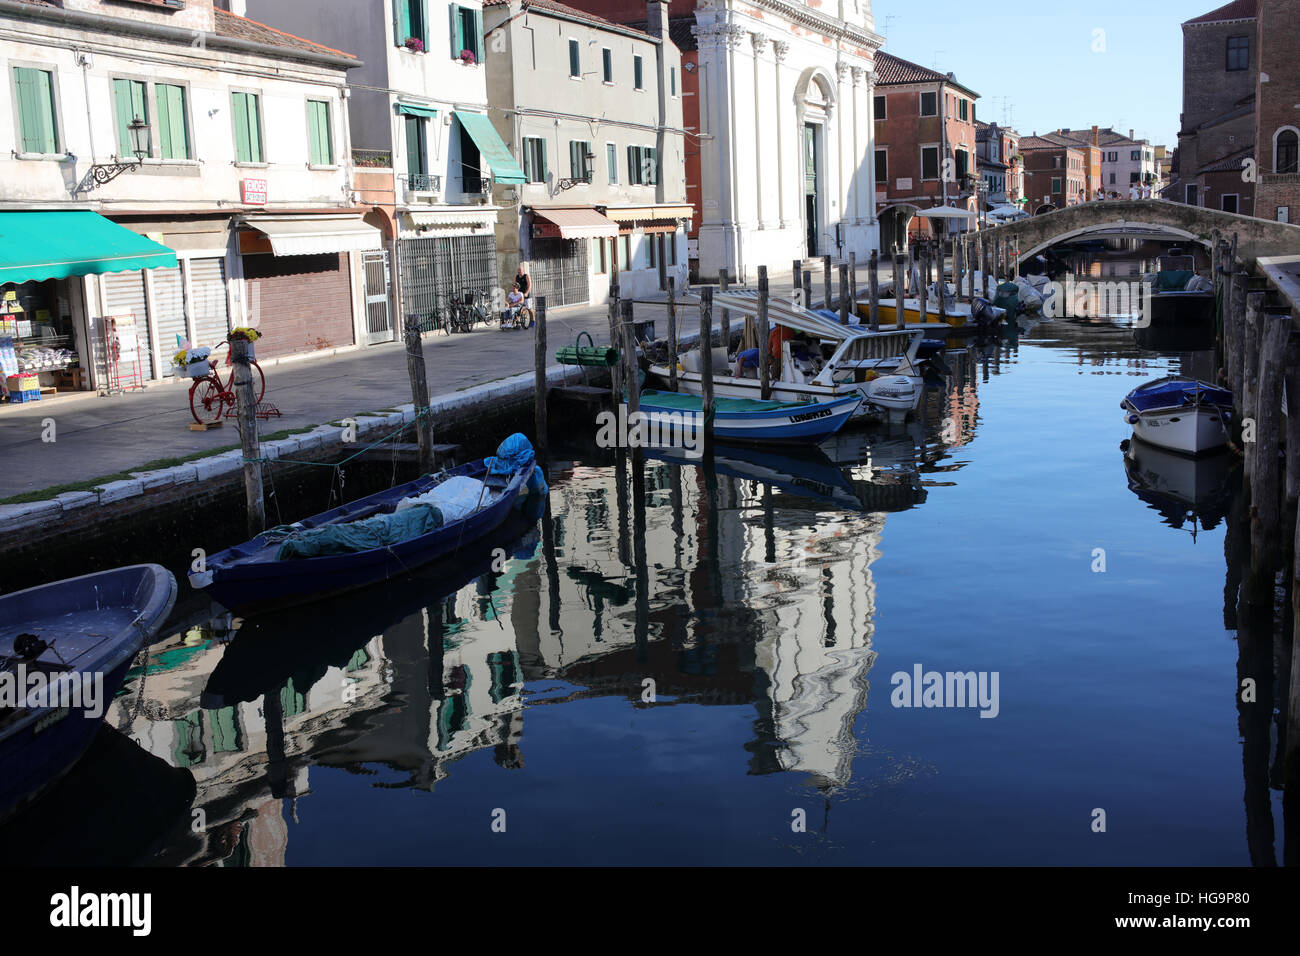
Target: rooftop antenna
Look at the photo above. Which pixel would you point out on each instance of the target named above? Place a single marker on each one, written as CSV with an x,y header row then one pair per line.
x,y
935,67
889,18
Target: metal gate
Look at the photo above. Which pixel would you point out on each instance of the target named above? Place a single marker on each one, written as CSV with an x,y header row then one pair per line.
x,y
438,270
379,314
559,271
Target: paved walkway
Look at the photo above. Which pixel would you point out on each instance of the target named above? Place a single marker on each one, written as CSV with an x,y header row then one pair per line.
x,y
98,436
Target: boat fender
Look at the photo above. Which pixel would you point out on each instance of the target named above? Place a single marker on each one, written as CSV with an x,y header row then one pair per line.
x,y
1133,419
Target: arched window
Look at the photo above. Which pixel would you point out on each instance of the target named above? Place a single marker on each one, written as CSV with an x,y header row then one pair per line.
x,y
1286,152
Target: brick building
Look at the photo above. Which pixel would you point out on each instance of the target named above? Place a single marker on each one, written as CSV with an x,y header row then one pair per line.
x,y
1217,127
1277,193
1001,166
925,146
1055,173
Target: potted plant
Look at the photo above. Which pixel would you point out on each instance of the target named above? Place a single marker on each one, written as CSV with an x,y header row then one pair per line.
x,y
192,361
244,334
414,44
468,58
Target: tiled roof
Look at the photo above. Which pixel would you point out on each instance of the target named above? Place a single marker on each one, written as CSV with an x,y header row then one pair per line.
x,y
564,10
1039,142
1237,10
241,28
1231,162
892,70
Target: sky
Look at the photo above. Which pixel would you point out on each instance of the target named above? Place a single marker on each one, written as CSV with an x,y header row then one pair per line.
x,y
1058,64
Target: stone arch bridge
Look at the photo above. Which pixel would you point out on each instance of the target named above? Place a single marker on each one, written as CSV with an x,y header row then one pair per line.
x,y
1255,237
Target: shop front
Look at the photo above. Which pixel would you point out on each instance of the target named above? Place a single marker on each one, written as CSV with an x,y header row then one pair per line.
x,y
301,279
559,239
649,248
54,333
444,254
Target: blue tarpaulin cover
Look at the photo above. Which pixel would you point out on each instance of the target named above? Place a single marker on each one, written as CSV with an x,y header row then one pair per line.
x,y
513,454
1178,392
377,532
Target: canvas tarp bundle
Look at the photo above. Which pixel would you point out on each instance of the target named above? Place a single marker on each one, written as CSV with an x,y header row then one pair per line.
x,y
377,532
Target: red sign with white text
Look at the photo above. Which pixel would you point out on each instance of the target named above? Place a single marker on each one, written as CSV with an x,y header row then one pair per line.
x,y
253,191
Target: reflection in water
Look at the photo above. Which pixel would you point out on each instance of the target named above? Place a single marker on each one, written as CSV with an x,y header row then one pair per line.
x,y
676,630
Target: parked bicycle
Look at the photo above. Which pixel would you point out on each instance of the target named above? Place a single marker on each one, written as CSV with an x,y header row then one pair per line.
x,y
209,395
474,307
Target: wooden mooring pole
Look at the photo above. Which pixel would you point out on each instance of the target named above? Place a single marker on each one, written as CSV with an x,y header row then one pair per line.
x,y
873,290
724,315
672,333
923,292
845,298
246,407
541,392
1250,379
1265,511
631,370
826,282
419,394
764,359
942,287
616,392
706,367
900,290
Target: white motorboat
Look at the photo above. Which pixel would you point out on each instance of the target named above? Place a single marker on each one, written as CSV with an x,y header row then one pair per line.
x,y
824,362
1179,413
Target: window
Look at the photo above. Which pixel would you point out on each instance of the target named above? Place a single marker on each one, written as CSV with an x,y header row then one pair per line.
x,y
1132,177
929,104
1056,184
130,102
37,129
575,59
1238,53
1229,203
1056,162
1192,199
1112,179
598,255
1136,155
879,106
651,244
320,133
929,162
972,111
466,32
1285,151
409,22
173,122
415,146
579,165
882,166
248,127
963,108
607,64
1114,157
672,81
624,252
963,164
534,159
670,241
611,163
642,166
638,72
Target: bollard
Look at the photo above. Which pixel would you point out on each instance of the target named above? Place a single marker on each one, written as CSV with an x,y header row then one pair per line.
x,y
246,400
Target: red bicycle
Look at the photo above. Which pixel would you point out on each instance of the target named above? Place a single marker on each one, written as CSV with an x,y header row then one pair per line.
x,y
209,395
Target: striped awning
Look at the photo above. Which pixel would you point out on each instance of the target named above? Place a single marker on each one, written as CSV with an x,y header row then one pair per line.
x,y
582,222
653,213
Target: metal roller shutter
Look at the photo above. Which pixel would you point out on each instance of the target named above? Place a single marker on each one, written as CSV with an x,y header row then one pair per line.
x,y
124,295
169,315
211,314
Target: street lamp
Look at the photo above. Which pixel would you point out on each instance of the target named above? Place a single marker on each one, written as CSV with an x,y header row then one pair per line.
x,y
101,173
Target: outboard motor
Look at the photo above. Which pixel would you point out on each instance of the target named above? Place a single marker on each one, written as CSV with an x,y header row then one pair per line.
x,y
985,314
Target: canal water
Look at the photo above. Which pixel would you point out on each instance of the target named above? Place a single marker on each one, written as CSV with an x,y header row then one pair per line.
x,y
718,668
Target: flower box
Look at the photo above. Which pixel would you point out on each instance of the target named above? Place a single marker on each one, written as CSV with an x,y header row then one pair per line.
x,y
198,369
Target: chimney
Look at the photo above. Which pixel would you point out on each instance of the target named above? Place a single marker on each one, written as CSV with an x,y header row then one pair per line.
x,y
1094,135
1130,134
657,19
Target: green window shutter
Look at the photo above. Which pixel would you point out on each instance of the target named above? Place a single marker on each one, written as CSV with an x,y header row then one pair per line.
x,y
575,163
401,21
313,135
173,125
479,50
319,133
123,107
637,71
248,129
454,26
654,165
36,129
255,128
414,146
422,30
632,166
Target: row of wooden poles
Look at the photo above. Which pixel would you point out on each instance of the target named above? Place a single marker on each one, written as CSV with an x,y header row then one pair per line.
x,y
1259,356
991,257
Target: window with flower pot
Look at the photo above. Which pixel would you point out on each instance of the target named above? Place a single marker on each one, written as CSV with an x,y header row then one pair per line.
x,y
466,34
411,24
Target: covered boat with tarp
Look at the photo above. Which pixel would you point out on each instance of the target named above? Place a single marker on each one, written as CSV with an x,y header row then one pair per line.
x,y
1179,413
375,538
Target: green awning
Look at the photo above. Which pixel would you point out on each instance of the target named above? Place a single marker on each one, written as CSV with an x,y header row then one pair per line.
x,y
481,131
58,245
410,109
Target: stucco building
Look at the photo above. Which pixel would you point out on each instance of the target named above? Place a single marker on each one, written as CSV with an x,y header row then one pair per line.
x,y
593,110
1000,164
219,141
1055,173
1277,193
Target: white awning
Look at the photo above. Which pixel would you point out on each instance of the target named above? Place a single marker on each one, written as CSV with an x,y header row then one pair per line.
x,y
314,235
945,212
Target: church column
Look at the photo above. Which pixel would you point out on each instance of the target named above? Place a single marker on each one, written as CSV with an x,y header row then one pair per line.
x,y
860,161
781,49
842,186
759,43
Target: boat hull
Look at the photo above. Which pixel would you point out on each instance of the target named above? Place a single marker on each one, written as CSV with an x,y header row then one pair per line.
x,y
804,423
1191,431
99,623
251,587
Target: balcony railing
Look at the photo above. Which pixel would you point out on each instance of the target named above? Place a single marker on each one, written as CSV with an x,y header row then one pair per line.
x,y
372,159
422,182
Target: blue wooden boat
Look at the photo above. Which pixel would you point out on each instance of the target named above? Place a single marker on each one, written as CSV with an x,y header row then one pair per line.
x,y
1180,413
64,651
258,576
750,420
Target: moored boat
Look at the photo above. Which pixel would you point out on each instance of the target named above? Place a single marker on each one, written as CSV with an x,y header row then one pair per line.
x,y
65,649
1180,414
751,420
374,538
